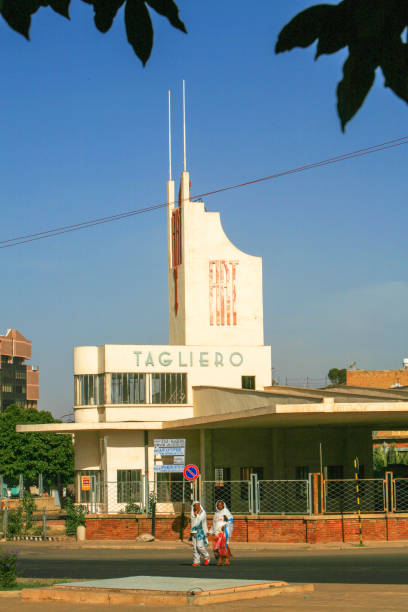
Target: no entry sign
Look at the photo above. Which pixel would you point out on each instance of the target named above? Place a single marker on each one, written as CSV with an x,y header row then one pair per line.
x,y
191,472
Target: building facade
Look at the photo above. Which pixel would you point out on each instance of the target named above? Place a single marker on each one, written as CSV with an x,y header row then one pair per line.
x,y
19,382
379,379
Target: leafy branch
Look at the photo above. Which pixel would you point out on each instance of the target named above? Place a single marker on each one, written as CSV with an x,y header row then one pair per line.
x,y
372,31
138,24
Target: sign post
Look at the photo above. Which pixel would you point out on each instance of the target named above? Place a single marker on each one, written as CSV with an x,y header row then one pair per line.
x,y
172,455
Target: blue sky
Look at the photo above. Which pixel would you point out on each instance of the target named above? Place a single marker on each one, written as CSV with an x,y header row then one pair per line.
x,y
83,134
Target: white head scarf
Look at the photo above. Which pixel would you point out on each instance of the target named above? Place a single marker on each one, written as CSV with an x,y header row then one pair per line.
x,y
200,517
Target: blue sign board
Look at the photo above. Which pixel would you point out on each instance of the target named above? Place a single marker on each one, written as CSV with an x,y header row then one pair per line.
x,y
168,468
169,450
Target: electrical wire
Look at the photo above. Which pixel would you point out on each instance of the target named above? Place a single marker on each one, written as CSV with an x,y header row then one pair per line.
x,y
4,244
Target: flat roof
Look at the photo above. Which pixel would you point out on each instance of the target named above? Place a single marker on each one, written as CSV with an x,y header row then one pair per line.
x,y
375,415
277,406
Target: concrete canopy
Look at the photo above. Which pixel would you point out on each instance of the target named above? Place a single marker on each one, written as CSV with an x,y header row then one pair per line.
x,y
220,408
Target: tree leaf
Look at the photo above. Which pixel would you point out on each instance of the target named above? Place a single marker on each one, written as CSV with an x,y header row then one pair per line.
x,y
334,35
305,27
169,9
105,12
18,13
61,7
358,77
139,29
394,65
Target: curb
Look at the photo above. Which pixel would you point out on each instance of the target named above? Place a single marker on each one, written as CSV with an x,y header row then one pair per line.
x,y
108,597
13,594
185,545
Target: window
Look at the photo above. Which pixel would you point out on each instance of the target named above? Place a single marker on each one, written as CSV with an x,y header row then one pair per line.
x,y
89,390
86,497
129,486
334,472
248,382
302,472
172,487
222,474
169,389
246,475
247,471
128,388
223,485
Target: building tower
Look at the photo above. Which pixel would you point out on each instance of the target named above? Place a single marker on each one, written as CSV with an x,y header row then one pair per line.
x,y
19,383
215,289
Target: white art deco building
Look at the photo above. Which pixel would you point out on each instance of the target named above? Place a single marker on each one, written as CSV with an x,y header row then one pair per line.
x,y
210,387
125,393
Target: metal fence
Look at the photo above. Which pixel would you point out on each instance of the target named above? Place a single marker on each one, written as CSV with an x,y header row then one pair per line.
x,y
251,496
283,497
116,497
400,494
236,494
340,496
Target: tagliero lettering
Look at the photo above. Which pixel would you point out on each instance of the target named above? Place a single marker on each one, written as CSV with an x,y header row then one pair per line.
x,y
188,359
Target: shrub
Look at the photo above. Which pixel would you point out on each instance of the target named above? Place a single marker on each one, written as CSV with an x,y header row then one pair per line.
x,y
152,501
131,508
75,517
15,522
28,505
8,570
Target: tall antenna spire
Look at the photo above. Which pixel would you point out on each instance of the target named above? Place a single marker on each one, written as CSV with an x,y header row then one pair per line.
x,y
184,126
169,137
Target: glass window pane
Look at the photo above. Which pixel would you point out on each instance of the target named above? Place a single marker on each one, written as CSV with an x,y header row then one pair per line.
x,y
128,485
128,388
169,388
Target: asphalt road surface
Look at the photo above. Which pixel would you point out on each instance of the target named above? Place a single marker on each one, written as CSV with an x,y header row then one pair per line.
x,y
357,566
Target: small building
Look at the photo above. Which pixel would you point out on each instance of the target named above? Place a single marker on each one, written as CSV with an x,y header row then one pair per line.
x,y
380,379
19,382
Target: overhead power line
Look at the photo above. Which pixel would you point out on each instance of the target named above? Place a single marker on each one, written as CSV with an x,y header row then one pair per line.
x,y
4,244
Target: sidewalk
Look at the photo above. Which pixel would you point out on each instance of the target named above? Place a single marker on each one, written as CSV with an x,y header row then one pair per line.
x,y
185,545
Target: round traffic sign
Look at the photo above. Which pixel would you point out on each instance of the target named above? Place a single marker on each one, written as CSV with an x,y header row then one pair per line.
x,y
191,472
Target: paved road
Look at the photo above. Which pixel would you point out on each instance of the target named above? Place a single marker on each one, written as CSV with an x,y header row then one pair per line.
x,y
357,566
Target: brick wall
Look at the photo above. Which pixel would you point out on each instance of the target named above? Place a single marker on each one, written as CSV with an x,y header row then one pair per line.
x,y
379,379
290,529
128,527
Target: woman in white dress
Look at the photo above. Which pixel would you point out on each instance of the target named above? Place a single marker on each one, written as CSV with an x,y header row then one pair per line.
x,y
221,529
199,531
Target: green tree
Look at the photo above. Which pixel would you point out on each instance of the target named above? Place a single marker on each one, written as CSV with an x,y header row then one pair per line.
x,y
33,453
379,461
371,30
337,377
392,455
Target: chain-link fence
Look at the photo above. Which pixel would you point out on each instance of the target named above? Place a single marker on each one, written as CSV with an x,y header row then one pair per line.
x,y
170,495
236,494
117,497
340,496
400,495
283,497
249,496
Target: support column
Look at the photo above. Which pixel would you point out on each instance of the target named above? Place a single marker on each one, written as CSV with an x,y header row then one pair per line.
x,y
146,470
203,454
